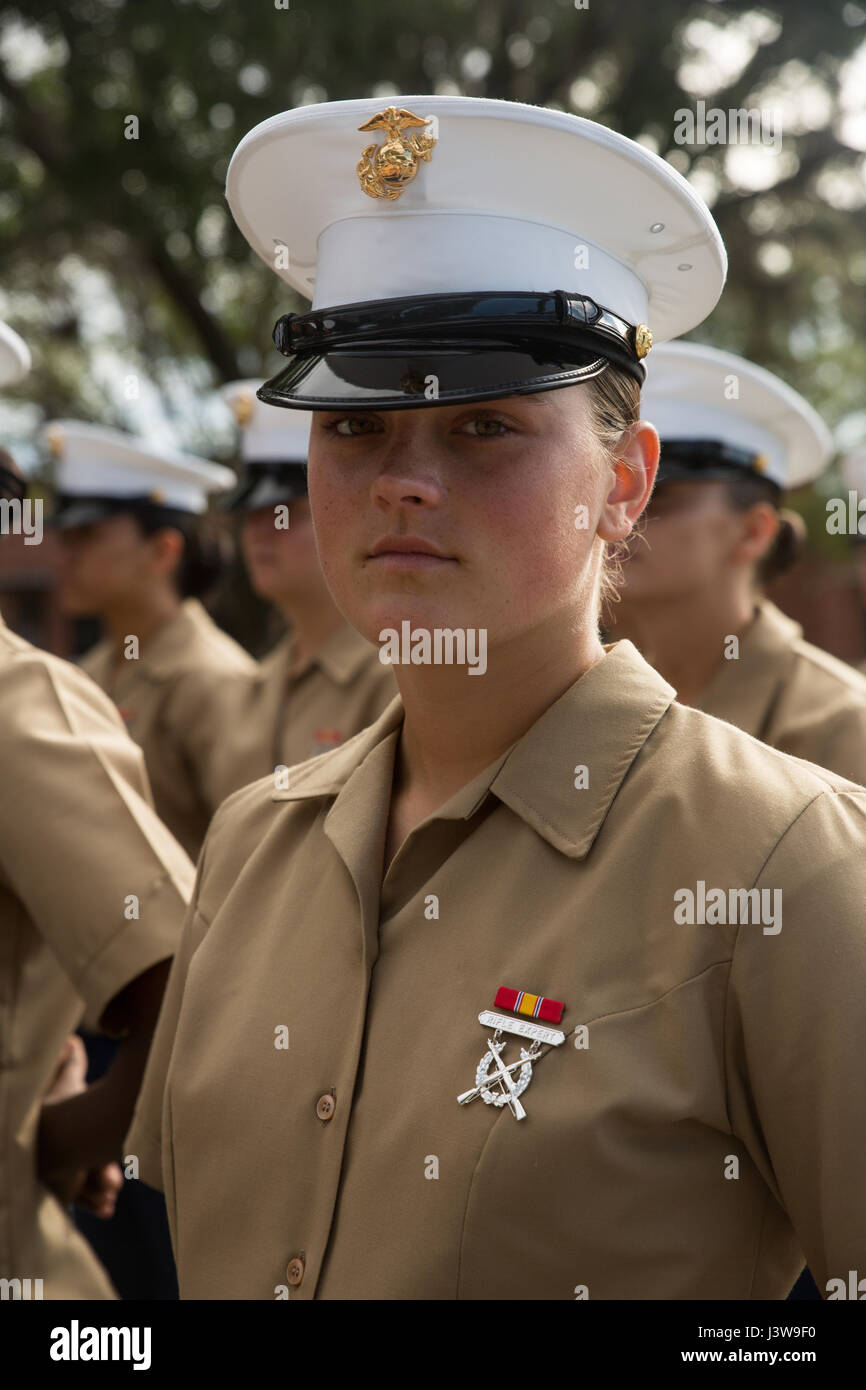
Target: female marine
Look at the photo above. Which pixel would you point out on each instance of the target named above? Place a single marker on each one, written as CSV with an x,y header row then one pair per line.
x,y
544,986
133,553
692,599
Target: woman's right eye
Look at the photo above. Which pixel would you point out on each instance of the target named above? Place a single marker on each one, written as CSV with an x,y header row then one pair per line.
x,y
352,425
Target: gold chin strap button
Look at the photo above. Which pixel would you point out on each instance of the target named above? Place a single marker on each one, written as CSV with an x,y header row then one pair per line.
x,y
157,495
643,340
385,170
54,440
242,406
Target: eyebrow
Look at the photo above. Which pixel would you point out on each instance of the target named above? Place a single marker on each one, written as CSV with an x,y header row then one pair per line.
x,y
536,397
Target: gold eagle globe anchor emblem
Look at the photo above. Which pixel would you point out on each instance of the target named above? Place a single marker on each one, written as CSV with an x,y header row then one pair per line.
x,y
385,170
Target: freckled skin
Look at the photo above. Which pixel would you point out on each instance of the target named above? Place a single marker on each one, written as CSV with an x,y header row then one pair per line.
x,y
494,485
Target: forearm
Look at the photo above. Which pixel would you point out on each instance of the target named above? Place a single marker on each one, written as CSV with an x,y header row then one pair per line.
x,y
88,1129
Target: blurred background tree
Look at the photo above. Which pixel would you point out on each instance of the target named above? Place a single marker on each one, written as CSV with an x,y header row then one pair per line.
x,y
119,256
122,268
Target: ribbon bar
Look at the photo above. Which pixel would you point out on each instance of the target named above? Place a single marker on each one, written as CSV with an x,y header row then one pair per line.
x,y
529,1005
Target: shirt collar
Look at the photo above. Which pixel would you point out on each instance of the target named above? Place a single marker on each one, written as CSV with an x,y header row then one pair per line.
x,y
169,645
601,722
743,690
344,654
341,658
772,629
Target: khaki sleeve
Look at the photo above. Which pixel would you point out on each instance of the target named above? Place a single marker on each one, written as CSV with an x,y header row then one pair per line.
x,y
795,1034
144,1138
841,745
100,876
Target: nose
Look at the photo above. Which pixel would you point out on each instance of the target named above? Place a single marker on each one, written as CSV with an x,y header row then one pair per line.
x,y
407,476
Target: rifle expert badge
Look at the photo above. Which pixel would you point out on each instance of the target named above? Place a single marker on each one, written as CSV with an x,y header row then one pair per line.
x,y
495,1082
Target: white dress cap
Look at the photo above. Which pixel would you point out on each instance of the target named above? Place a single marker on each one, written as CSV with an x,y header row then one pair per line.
x,y
446,195
14,356
698,393
853,468
509,195
93,461
267,434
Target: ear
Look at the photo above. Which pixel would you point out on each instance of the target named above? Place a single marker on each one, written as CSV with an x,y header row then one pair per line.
x,y
759,527
635,468
166,548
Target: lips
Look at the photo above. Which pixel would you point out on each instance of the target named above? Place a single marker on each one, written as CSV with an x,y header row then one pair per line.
x,y
408,545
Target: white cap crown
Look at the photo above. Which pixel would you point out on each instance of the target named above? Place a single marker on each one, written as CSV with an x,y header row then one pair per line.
x,y
94,461
698,392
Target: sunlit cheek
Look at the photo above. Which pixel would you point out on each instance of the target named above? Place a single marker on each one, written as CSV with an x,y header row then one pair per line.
x,y
333,516
541,548
332,538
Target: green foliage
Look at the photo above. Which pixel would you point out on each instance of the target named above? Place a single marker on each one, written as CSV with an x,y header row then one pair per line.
x,y
121,250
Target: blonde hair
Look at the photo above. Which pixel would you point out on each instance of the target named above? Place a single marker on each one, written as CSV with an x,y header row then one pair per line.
x,y
614,399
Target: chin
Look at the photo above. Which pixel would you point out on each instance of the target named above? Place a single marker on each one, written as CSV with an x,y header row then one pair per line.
x,y
391,614
262,584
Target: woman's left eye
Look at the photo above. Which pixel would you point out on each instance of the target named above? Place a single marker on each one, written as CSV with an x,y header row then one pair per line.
x,y
488,428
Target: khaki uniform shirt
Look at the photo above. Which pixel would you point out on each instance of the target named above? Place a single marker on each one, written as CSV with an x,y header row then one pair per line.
x,y
707,1141
277,717
164,697
793,696
78,836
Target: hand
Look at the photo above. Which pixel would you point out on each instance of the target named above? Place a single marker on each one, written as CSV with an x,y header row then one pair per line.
x,y
95,1190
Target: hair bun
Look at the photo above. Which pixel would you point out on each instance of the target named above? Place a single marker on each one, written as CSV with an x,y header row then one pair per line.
x,y
787,547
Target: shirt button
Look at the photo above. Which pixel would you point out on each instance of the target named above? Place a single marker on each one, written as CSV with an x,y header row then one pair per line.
x,y
295,1271
325,1107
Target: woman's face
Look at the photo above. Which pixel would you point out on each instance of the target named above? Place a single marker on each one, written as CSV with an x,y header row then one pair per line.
x,y
281,561
692,537
468,516
112,564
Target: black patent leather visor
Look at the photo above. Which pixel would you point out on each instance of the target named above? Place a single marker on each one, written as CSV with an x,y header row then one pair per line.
x,y
707,460
266,485
439,349
402,379
72,510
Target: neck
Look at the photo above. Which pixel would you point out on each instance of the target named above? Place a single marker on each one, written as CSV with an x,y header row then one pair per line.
x,y
684,638
139,618
312,621
456,723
